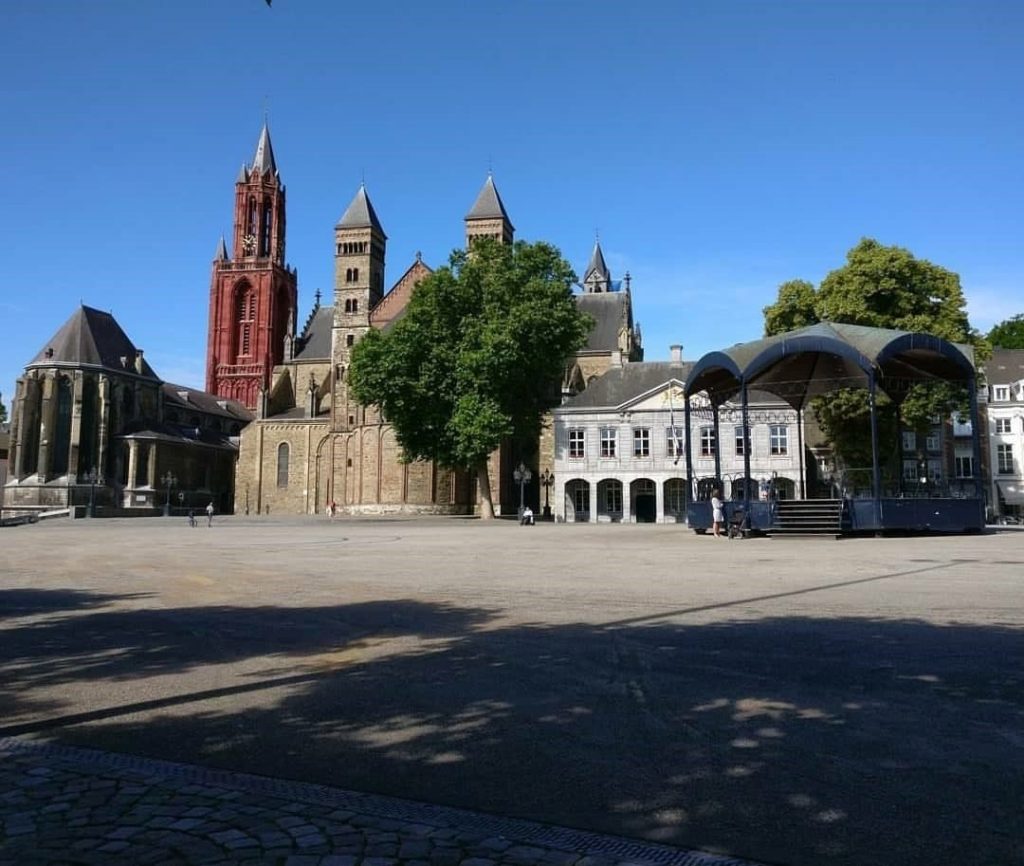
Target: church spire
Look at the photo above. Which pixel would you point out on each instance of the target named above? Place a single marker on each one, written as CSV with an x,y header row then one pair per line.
x,y
488,217
597,278
263,161
360,213
222,251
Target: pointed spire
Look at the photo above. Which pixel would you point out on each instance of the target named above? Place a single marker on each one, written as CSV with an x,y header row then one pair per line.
x,y
597,262
488,204
243,175
360,213
263,161
222,251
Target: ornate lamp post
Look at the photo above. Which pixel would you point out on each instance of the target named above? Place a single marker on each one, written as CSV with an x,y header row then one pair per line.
x,y
547,478
169,481
92,476
521,475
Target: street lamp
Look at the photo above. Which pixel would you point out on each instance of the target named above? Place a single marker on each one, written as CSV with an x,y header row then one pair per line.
x,y
547,478
522,477
92,476
169,481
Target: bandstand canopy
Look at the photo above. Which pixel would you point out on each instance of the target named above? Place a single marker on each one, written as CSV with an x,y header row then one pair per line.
x,y
821,358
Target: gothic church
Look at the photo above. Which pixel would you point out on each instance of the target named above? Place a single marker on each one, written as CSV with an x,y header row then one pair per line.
x,y
312,444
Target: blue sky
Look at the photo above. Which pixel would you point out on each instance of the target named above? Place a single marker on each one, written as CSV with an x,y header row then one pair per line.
x,y
719,148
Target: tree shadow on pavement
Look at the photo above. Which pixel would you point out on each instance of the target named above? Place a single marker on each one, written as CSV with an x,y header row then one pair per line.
x,y
792,740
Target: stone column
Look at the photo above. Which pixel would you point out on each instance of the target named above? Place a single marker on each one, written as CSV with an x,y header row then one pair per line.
x,y
18,413
593,502
659,501
627,502
47,422
133,462
78,383
151,465
103,443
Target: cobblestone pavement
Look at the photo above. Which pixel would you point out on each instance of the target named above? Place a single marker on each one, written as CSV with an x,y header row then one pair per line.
x,y
63,805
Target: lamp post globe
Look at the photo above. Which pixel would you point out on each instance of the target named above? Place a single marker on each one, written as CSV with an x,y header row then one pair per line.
x,y
547,478
92,477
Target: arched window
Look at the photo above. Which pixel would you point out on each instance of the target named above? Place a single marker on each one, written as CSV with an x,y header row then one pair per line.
x,y
355,305
253,221
282,465
355,275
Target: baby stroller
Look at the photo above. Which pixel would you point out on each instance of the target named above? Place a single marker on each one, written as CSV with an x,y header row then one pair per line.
x,y
738,525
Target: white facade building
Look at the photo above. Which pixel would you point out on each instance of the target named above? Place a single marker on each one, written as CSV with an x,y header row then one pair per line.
x,y
1005,416
620,447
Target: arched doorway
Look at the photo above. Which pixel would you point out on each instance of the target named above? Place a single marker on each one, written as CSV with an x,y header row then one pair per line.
x,y
644,501
577,501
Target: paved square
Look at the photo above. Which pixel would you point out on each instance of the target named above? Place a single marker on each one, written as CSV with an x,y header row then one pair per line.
x,y
799,701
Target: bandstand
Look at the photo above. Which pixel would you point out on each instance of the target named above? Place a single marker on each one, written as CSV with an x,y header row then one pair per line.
x,y
822,358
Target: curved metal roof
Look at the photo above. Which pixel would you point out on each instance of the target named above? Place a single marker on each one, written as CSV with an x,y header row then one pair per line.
x,y
817,359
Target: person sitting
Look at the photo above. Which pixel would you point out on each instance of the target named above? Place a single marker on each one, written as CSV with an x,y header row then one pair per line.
x,y
527,518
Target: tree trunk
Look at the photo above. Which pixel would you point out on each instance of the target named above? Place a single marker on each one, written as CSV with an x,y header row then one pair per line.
x,y
483,483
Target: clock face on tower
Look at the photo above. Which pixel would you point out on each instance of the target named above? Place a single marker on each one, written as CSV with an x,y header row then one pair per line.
x,y
249,244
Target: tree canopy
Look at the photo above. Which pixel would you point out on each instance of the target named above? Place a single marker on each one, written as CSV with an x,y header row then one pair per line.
x,y
472,359
3,411
1008,334
882,287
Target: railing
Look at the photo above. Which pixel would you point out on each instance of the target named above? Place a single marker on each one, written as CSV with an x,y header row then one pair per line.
x,y
857,483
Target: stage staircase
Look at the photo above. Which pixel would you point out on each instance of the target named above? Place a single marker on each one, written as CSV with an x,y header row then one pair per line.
x,y
796,518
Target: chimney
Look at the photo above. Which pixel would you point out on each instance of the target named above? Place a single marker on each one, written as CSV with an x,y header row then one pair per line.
x,y
138,361
676,351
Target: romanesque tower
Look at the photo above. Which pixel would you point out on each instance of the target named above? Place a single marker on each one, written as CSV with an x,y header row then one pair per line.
x,y
359,246
253,294
597,277
488,217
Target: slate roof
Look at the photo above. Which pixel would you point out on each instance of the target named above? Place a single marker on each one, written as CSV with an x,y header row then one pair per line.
x,y
1005,366
316,338
91,338
185,398
488,204
621,384
609,311
263,161
360,213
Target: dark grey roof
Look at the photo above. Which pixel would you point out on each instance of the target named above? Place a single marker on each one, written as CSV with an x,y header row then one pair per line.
x,y
608,310
222,251
91,338
621,384
316,339
1005,365
263,161
360,213
185,398
597,263
488,204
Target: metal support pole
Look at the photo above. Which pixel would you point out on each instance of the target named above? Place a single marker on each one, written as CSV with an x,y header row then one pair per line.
x,y
876,471
691,493
718,449
746,447
976,475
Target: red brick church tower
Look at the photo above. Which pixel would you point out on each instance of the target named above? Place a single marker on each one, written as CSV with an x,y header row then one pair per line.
x,y
253,294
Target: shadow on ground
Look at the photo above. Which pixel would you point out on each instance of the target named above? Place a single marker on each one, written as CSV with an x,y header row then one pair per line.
x,y
786,739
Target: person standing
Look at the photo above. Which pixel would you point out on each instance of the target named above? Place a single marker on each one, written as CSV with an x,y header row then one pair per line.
x,y
209,514
717,512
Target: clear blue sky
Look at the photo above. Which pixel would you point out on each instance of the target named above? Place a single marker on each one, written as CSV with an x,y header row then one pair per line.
x,y
719,148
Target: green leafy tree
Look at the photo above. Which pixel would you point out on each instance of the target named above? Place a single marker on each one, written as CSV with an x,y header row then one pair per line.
x,y
472,359
1008,334
882,287
794,308
3,411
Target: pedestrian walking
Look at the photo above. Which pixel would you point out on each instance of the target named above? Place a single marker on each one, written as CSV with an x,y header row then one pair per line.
x,y
191,517
209,514
717,512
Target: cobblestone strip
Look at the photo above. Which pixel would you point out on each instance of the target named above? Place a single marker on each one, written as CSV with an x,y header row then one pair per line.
x,y
62,804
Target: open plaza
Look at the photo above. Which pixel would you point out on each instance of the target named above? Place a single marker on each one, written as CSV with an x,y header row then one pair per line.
x,y
780,701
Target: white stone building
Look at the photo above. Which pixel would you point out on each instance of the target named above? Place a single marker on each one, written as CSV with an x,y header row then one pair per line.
x,y
1005,416
620,446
